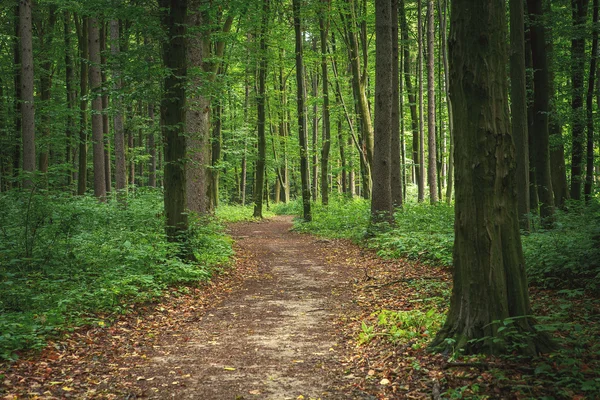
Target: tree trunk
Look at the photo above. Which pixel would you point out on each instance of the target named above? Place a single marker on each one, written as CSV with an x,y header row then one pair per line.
x,y
27,82
412,97
45,36
70,95
315,128
396,163
432,151
518,95
489,273
152,149
302,133
82,35
579,9
261,121
558,170
323,32
421,182
540,151
173,112
217,137
97,128
117,101
17,156
589,171
382,208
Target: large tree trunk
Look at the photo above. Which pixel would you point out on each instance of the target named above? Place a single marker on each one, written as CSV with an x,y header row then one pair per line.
x,y
82,36
27,82
589,170
489,271
97,129
261,121
540,151
119,131
396,155
173,112
323,32
431,134
518,95
198,113
301,95
579,9
382,209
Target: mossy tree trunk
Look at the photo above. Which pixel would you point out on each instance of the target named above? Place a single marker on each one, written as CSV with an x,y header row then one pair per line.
x,y
489,272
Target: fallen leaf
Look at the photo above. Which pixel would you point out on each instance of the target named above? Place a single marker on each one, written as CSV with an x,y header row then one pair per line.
x,y
254,392
384,382
229,369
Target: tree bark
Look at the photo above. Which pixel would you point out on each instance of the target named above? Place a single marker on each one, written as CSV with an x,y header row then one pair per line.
x,y
421,182
70,96
579,11
589,171
117,101
540,151
173,113
489,273
261,117
97,128
302,133
382,209
45,36
27,100
431,133
17,151
396,162
518,95
323,33
152,149
444,46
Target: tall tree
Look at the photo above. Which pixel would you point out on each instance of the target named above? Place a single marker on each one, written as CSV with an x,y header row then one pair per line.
x,y
119,132
589,170
518,95
70,94
396,147
444,47
431,133
489,272
97,128
382,209
539,133
82,38
261,118
579,12
302,129
323,33
27,82
173,111
421,181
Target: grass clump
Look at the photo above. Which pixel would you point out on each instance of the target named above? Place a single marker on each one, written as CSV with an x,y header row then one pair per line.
x,y
237,213
63,259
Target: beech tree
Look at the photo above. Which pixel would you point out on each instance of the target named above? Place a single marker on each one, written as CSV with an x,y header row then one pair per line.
x,y
489,271
97,129
27,101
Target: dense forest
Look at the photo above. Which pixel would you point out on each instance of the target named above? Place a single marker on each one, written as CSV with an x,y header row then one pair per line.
x,y
453,134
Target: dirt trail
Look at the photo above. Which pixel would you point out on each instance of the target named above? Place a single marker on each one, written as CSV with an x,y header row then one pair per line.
x,y
274,337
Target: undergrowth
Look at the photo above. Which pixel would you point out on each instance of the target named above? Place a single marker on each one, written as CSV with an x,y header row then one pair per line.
x,y
237,213
566,256
65,259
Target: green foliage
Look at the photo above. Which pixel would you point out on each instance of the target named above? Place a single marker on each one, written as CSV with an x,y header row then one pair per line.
x,y
63,259
415,326
237,213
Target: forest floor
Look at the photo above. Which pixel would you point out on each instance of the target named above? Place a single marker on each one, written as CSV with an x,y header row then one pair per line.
x,y
281,324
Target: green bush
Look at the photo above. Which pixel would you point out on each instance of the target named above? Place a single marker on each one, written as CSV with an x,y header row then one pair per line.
x,y
63,259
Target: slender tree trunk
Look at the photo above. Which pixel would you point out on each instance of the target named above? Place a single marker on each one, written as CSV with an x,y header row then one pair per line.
x,y
412,97
432,147
302,132
518,95
323,31
97,128
82,35
45,36
541,103
217,137
589,171
27,82
560,186
173,109
421,182
382,208
17,155
117,101
262,120
152,149
444,46
395,142
579,9
315,128
490,285
70,95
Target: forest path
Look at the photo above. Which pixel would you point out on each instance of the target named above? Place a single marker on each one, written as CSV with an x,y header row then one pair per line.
x,y
274,337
